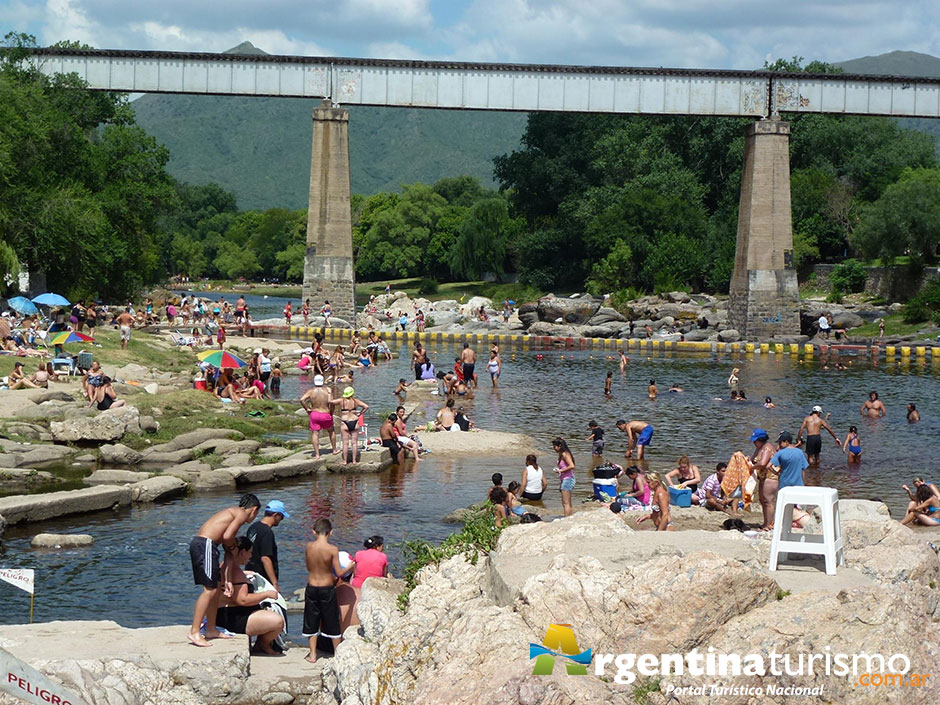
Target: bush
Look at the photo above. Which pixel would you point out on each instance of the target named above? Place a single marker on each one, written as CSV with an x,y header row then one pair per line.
x,y
925,305
848,277
478,537
428,285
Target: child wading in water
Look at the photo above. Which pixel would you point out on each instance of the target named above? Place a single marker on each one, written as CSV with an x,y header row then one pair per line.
x,y
607,383
853,445
321,611
276,375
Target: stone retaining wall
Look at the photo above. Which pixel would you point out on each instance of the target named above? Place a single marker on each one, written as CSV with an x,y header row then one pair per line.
x,y
890,282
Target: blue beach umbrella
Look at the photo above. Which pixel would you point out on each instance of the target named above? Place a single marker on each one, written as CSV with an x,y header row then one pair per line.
x,y
50,299
22,305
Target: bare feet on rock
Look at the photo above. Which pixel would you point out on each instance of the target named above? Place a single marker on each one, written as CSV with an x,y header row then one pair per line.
x,y
197,640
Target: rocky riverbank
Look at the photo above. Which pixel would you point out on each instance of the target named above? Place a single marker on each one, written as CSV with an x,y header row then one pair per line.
x,y
465,634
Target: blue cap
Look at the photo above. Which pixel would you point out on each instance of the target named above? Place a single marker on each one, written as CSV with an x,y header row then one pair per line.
x,y
759,435
276,506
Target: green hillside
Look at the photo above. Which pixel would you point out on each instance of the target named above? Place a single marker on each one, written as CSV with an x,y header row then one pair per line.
x,y
901,63
259,148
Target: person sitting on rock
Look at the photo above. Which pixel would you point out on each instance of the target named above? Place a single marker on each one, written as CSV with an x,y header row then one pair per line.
x,y
241,612
659,509
926,510
446,417
105,397
499,498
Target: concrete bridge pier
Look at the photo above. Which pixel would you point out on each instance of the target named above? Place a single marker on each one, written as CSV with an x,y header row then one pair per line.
x,y
765,301
328,264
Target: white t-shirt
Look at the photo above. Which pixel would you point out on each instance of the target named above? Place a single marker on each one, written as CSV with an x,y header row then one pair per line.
x,y
264,363
533,479
823,323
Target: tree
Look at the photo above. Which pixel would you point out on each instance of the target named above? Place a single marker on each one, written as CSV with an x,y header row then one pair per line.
x,y
481,244
904,221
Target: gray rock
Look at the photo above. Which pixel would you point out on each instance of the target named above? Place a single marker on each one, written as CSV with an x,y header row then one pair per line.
x,y
134,372
148,424
108,425
275,697
271,453
370,461
226,447
666,322
192,439
192,466
847,319
236,460
44,455
152,388
20,479
77,412
61,540
39,507
680,297
605,314
697,335
594,331
115,477
119,454
528,314
214,480
554,330
31,431
173,457
156,489
729,335
573,311
53,395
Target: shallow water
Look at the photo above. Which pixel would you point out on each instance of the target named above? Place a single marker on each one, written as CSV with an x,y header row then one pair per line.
x,y
138,570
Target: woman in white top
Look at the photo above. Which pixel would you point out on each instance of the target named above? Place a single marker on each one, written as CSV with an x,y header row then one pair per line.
x,y
533,479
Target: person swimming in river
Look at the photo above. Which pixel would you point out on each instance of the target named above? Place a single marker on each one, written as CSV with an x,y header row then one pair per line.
x,y
652,391
607,383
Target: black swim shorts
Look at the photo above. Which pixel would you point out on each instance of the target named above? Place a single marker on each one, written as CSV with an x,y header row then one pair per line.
x,y
813,444
204,554
321,612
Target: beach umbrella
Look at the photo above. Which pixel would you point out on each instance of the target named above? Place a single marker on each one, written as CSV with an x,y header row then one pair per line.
x,y
50,299
21,304
221,359
70,336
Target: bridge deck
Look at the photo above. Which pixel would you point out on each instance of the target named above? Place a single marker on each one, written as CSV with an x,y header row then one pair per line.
x,y
479,86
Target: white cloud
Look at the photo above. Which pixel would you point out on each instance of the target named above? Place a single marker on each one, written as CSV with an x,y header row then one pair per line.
x,y
65,19
176,38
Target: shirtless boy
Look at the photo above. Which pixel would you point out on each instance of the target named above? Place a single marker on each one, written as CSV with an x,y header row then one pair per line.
x,y
321,611
220,528
316,402
652,391
874,406
812,424
639,435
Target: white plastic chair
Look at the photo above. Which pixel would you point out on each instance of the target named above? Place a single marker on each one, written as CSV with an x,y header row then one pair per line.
x,y
786,540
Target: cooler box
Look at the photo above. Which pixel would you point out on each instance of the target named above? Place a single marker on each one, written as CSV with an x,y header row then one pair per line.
x,y
680,498
199,384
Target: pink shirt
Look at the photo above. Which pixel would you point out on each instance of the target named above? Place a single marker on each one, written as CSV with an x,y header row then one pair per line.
x,y
370,563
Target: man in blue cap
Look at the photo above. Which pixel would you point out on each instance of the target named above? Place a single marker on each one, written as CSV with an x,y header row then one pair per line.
x,y
264,551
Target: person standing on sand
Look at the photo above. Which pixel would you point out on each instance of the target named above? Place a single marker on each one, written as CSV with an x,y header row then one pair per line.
x,y
321,610
812,424
468,359
220,529
639,435
316,402
874,406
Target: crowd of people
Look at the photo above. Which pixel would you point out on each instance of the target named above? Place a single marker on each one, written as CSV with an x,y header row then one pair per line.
x,y
240,579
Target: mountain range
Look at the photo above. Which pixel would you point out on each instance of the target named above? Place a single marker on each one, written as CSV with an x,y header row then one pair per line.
x,y
259,148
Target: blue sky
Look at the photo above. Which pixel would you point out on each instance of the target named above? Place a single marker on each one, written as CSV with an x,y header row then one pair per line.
x,y
738,34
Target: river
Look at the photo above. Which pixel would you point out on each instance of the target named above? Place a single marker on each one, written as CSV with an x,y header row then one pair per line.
x,y
138,573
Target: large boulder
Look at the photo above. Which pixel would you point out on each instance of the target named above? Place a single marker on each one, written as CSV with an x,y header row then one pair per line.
x,y
39,507
555,330
572,311
119,454
22,479
157,489
108,425
215,480
729,335
223,446
593,331
847,319
152,456
529,313
697,335
605,314
43,456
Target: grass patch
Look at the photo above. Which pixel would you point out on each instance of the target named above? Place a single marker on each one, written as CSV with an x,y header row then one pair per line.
x,y
478,537
191,409
894,326
781,593
642,691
